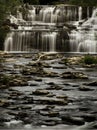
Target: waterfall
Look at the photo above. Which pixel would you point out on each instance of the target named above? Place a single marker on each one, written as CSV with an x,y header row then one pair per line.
x,y
43,28
84,39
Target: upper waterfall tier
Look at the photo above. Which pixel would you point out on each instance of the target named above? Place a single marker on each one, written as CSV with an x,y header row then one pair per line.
x,y
50,14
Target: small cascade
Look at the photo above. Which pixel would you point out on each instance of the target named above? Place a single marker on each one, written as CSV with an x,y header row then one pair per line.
x,y
47,15
80,13
43,28
19,15
8,44
31,14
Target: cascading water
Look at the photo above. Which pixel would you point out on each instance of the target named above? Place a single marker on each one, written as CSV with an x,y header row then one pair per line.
x,y
44,28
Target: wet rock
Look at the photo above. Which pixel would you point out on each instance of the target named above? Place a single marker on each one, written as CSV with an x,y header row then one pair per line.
x,y
49,56
38,79
15,93
14,107
17,66
49,113
84,88
18,82
73,60
48,107
51,83
65,97
53,101
13,80
14,124
22,114
71,84
51,95
27,100
3,87
27,120
4,103
89,117
38,64
74,75
73,120
31,70
50,74
94,83
3,119
90,126
33,84
26,107
51,121
40,92
59,67
47,123
54,87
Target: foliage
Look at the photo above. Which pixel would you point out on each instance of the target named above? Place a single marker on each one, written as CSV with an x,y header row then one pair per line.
x,y
5,7
89,59
4,79
84,2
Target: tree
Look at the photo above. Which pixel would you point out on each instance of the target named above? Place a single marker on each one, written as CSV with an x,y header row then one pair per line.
x,y
84,2
6,6
33,2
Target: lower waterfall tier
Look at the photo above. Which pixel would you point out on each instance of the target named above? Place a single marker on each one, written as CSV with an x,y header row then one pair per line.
x,y
43,41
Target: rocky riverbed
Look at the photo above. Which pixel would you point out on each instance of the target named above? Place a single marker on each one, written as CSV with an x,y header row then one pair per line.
x,y
47,91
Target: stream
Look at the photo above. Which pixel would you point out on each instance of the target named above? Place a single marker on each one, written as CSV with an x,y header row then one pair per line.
x,y
44,92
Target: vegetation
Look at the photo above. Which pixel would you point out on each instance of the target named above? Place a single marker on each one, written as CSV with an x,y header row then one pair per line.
x,y
89,59
34,2
5,7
